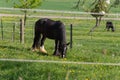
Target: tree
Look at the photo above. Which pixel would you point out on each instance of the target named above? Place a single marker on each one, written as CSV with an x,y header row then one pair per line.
x,y
26,4
98,8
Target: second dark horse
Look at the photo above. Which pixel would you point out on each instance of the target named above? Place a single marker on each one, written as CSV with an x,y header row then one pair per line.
x,y
47,28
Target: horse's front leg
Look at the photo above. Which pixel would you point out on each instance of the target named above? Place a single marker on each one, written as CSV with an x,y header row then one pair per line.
x,y
36,45
42,49
56,52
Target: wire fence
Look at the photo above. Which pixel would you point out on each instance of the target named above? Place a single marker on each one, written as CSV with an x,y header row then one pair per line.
x,y
14,18
37,13
61,62
10,24
81,22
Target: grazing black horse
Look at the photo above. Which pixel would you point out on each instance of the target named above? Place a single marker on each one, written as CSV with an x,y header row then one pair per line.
x,y
47,28
109,25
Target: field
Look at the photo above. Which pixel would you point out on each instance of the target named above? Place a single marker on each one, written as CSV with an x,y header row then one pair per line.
x,y
101,47
56,5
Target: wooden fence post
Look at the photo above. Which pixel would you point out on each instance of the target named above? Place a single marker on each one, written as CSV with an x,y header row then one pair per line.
x,y
71,35
1,29
13,33
22,31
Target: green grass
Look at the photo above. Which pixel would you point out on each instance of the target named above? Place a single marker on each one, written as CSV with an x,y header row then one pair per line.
x,y
56,5
39,71
102,47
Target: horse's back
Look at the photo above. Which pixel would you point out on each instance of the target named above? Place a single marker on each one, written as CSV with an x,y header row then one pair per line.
x,y
50,28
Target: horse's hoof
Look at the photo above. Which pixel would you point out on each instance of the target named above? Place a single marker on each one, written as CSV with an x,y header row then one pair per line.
x,y
43,51
63,56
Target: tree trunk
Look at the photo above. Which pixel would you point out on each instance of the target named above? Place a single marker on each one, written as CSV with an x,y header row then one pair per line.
x,y
25,17
98,20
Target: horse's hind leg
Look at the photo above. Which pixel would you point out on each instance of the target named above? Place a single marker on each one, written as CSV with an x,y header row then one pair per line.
x,y
36,44
42,49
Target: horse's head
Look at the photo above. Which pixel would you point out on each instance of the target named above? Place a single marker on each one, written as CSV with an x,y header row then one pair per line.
x,y
63,49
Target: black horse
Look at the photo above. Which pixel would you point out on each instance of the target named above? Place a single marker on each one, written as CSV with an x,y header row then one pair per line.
x,y
109,25
51,29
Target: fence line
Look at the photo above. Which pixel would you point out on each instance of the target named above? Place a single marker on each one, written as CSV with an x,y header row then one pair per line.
x,y
61,17
65,17
13,30
17,30
60,62
55,11
77,13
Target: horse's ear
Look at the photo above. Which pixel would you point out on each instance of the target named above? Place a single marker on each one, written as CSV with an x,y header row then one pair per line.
x,y
68,43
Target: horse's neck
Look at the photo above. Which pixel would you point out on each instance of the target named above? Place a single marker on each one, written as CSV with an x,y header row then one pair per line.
x,y
63,37
62,41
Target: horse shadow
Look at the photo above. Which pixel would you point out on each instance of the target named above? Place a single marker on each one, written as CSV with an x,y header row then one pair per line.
x,y
26,49
41,53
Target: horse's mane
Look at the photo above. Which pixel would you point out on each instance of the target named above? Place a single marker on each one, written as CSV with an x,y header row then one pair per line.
x,y
43,21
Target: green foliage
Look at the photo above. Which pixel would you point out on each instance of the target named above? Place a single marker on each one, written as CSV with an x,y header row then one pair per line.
x,y
116,3
100,6
97,5
27,4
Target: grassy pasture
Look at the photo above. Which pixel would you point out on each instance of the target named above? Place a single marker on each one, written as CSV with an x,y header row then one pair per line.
x,y
57,5
101,47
